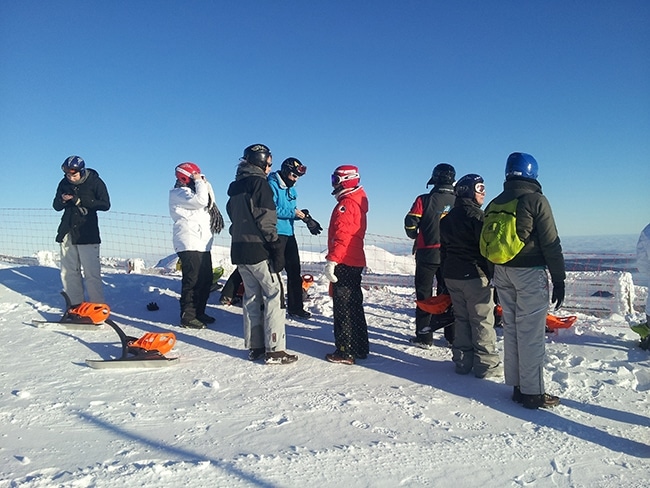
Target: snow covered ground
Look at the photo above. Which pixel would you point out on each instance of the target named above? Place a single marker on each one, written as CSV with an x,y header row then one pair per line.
x,y
400,418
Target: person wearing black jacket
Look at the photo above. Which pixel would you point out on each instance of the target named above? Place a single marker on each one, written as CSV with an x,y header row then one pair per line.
x,y
422,223
80,195
258,255
522,282
467,277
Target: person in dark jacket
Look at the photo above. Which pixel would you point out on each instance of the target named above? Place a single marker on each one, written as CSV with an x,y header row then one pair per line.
x,y
422,223
256,250
522,282
80,194
467,278
230,293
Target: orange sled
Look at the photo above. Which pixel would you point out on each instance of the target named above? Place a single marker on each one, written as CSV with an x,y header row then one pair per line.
x,y
435,305
146,352
163,342
307,281
87,313
553,322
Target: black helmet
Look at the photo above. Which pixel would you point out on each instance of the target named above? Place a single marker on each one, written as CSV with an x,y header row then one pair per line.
x,y
469,185
293,165
443,174
258,155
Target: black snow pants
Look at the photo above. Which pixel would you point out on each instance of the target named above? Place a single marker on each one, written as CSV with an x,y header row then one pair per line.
x,y
350,327
196,281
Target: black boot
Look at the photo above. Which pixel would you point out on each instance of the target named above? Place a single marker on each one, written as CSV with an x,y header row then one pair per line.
x,y
539,401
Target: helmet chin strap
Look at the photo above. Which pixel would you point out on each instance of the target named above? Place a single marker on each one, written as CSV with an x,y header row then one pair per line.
x,y
339,191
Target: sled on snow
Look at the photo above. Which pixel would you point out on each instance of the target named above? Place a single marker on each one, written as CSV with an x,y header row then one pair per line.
x,y
553,322
85,316
441,310
435,305
146,352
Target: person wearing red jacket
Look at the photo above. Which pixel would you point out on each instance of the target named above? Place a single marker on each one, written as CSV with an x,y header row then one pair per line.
x,y
345,262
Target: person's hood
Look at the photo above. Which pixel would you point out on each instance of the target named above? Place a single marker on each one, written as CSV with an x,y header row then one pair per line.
x,y
244,170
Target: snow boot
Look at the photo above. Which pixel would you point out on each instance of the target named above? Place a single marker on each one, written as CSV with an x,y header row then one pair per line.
x,y
421,343
539,401
340,358
256,353
206,319
192,324
300,313
280,357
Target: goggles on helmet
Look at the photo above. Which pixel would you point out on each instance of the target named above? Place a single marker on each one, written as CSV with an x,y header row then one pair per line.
x,y
338,179
183,171
299,170
70,171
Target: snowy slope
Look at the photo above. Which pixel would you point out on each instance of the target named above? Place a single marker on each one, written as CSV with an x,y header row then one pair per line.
x,y
400,418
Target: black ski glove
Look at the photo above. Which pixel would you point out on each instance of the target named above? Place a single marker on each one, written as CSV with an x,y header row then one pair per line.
x,y
276,256
313,226
558,294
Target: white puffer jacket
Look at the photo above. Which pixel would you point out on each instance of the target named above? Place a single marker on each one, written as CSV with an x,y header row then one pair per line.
x,y
189,210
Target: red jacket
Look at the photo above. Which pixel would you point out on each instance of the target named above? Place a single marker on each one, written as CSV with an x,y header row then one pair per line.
x,y
347,229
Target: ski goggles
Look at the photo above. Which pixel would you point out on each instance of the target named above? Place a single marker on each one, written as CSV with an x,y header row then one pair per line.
x,y
480,188
184,172
299,170
338,179
71,171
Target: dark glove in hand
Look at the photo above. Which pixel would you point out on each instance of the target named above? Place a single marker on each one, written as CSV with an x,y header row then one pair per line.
x,y
558,294
313,226
276,256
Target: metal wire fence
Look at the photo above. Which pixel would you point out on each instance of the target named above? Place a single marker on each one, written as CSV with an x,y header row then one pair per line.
x,y
597,282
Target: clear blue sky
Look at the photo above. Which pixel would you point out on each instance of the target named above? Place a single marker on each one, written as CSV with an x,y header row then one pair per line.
x,y
395,87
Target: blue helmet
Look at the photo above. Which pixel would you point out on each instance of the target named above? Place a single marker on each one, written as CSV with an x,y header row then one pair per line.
x,y
521,164
74,164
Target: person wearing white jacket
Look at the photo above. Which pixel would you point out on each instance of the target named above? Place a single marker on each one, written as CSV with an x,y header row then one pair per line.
x,y
643,263
196,218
